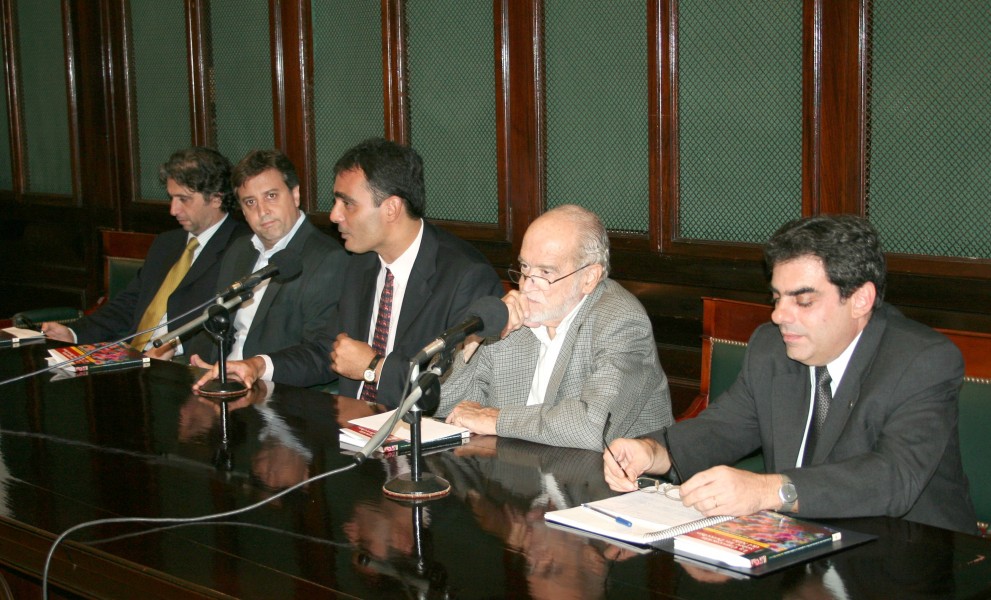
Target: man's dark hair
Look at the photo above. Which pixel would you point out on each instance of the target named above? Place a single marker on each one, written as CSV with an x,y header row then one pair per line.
x,y
259,161
391,170
203,170
848,246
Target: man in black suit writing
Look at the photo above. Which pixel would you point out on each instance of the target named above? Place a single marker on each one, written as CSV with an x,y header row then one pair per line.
x,y
199,188
409,282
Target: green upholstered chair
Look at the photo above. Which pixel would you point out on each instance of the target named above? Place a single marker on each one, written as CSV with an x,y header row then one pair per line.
x,y
975,419
124,253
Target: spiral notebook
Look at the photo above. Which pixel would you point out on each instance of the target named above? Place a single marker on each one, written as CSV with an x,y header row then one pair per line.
x,y
652,517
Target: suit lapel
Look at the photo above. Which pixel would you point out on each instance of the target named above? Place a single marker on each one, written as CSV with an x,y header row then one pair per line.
x,y
208,255
567,349
788,415
841,407
296,244
418,288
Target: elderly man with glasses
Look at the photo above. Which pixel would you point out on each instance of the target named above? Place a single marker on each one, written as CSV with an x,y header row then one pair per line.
x,y
577,362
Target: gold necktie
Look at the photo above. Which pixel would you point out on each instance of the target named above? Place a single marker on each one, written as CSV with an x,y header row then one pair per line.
x,y
159,304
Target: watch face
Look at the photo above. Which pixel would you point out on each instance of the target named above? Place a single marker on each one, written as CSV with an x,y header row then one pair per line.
x,y
369,375
788,493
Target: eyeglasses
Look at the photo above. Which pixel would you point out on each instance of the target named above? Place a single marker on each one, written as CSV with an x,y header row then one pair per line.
x,y
650,485
542,283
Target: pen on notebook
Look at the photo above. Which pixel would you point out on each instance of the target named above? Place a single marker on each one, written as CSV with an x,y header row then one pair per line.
x,y
611,515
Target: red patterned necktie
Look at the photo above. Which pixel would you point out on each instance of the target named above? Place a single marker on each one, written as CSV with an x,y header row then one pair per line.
x,y
369,392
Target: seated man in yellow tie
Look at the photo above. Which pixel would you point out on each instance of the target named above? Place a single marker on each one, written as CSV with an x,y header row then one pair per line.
x,y
181,268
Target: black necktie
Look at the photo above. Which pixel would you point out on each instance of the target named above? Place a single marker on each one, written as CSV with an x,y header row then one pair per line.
x,y
819,410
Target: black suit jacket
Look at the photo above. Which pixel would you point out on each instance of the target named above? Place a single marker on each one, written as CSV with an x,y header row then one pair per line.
x,y
122,314
448,275
889,445
292,312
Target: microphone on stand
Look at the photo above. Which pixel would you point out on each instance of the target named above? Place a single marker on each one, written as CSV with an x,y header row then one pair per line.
x,y
283,265
487,316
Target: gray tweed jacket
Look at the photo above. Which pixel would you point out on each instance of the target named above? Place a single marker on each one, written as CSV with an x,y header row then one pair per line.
x,y
608,365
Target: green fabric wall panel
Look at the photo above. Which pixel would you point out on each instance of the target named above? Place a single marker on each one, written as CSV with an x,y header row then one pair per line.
x,y
242,76
930,127
44,101
452,92
596,95
162,87
739,118
347,83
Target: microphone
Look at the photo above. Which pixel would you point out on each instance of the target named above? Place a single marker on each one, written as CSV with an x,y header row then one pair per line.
x,y
284,263
173,336
487,316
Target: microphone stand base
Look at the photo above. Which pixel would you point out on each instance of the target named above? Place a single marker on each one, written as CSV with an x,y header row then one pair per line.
x,y
429,487
226,389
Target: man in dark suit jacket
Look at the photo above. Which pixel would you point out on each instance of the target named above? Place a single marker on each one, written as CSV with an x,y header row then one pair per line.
x,y
198,184
379,206
886,443
271,327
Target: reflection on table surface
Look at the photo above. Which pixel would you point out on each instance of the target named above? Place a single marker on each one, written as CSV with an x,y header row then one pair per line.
x,y
139,443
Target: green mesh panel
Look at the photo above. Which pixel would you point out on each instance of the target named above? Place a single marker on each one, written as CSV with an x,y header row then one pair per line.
x,y
44,99
451,75
242,76
930,127
596,94
162,87
739,118
6,168
347,83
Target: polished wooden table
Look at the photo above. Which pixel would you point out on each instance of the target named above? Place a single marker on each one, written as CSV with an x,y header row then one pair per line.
x,y
139,443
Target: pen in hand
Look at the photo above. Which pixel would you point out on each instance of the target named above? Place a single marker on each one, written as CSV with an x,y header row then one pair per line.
x,y
611,515
605,444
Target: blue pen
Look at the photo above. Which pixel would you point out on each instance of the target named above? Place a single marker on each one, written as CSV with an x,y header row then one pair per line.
x,y
611,515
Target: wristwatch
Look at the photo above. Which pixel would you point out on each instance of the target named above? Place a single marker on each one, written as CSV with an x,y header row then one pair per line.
x,y
369,374
788,495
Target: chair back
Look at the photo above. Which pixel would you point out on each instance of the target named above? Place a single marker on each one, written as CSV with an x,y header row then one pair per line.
x,y
124,253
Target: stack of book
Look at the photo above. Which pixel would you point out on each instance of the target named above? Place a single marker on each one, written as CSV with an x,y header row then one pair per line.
x,y
433,434
78,359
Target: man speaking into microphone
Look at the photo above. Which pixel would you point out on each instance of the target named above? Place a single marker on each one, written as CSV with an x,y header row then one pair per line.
x,y
408,281
577,362
270,328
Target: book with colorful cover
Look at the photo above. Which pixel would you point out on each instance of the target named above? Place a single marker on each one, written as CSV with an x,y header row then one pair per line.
x,y
433,433
12,337
105,358
753,540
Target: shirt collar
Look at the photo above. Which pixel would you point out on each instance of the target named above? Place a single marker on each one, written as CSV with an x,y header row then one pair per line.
x,y
403,266
837,367
281,244
204,237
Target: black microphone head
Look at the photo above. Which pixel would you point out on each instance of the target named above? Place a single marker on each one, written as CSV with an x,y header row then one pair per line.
x,y
290,264
493,313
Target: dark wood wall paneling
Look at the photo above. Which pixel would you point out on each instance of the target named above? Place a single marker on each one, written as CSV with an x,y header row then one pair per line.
x,y
669,274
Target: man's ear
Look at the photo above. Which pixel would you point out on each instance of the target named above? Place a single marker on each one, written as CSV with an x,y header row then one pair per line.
x,y
393,208
863,299
591,275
